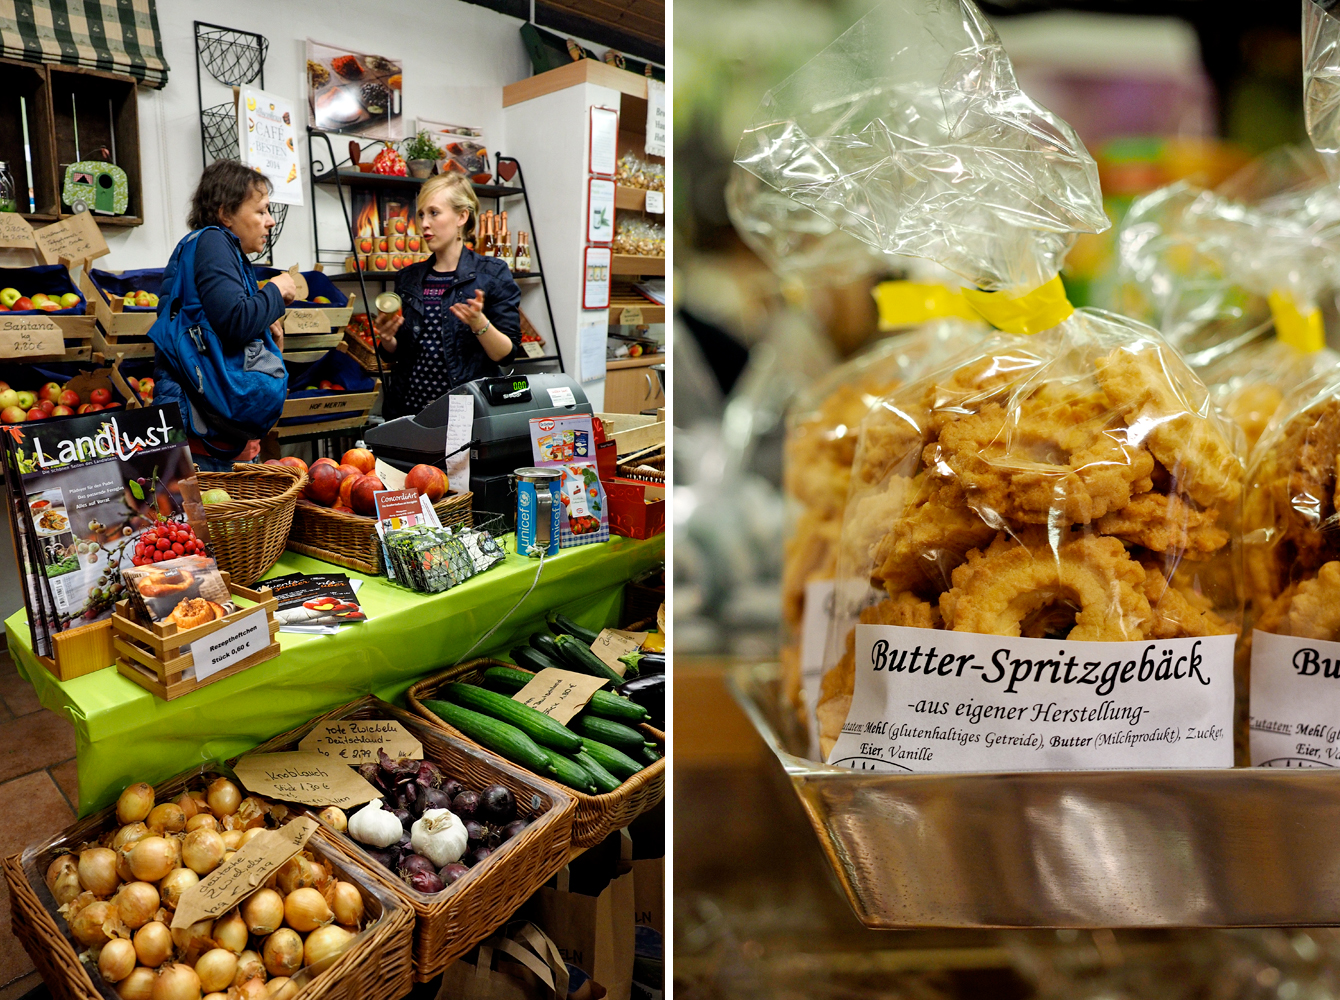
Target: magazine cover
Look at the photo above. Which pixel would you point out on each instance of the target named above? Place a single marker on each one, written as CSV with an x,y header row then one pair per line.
x,y
315,599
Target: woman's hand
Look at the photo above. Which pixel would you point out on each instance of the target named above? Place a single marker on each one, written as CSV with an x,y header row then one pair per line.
x,y
252,449
284,282
472,313
277,331
387,325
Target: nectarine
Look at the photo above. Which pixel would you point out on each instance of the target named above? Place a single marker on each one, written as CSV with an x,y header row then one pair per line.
x,y
324,485
360,497
361,459
294,462
426,480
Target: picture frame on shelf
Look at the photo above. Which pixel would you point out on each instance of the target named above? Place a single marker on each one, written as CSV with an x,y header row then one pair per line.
x,y
354,92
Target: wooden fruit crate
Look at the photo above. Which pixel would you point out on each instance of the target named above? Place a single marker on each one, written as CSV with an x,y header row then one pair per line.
x,y
116,331
151,655
339,412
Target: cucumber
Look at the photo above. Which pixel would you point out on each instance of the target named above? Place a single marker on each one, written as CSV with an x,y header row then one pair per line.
x,y
561,624
615,761
543,643
605,782
568,772
504,740
616,734
539,727
602,703
649,754
528,659
579,657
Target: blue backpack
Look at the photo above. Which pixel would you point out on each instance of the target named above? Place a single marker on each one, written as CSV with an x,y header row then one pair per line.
x,y
240,395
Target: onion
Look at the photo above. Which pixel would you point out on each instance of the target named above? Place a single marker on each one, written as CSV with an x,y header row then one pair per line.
x,y
117,960
282,988
251,813
131,833
195,938
174,883
426,882
152,858
216,996
97,871
202,851
123,871
86,925
153,943
67,886
177,982
283,952
166,818
249,966
296,873
346,902
232,839
306,910
263,912
450,873
249,835
230,931
63,863
216,969
137,902
223,797
189,806
201,821
252,989
326,944
334,817
139,985
135,803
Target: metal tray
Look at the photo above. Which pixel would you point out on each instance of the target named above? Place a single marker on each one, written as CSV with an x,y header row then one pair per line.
x,y
1249,847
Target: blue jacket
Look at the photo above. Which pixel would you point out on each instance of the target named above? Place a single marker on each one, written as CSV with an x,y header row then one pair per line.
x,y
465,359
237,318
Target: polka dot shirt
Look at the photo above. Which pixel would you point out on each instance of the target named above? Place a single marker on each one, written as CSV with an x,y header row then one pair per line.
x,y
429,379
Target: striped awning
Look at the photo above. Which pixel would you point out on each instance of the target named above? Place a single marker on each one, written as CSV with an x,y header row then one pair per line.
x,y
116,36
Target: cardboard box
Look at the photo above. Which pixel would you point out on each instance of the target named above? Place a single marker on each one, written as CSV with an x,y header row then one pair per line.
x,y
636,508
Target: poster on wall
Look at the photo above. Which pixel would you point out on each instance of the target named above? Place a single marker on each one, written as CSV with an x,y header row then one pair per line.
x,y
463,145
353,92
656,122
596,279
600,211
268,142
604,141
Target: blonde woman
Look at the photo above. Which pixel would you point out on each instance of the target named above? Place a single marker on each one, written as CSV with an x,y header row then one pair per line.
x,y
459,317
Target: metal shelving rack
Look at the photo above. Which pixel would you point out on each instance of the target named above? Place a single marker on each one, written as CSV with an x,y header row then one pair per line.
x,y
343,174
234,58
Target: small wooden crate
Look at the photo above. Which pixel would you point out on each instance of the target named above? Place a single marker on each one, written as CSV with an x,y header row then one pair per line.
x,y
350,540
116,331
80,651
151,656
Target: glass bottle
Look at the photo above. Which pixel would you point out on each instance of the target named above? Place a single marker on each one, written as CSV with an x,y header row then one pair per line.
x,y
486,245
522,264
505,245
8,200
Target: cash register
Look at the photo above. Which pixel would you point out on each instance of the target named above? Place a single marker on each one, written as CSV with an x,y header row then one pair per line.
x,y
499,439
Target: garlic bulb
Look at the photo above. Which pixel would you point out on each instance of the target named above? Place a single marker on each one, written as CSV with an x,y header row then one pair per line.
x,y
375,826
439,835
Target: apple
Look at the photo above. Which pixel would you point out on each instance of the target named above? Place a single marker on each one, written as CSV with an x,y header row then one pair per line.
x,y
49,306
324,485
361,459
61,411
398,244
383,244
69,300
27,400
94,407
50,390
69,398
100,396
147,385
336,387
324,300
294,462
324,383
46,406
412,244
8,296
13,415
112,406
361,496
142,299
349,470
23,304
39,297
153,299
365,244
3,308
398,225
215,495
347,488
8,398
381,262
426,481
83,407
4,386
446,484
37,413
343,508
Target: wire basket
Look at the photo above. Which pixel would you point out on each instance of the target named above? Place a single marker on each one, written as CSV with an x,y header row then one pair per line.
x,y
232,57
219,126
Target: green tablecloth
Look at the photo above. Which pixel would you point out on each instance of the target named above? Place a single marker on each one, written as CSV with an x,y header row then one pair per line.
x,y
125,734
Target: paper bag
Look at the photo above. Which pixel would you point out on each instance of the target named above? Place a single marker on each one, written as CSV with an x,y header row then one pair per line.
x,y
518,963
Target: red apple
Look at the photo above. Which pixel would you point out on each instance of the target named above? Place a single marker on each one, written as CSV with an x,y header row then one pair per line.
x,y
360,497
13,415
61,411
46,406
294,462
100,396
70,398
323,384
83,407
147,385
361,459
112,406
398,244
379,263
51,391
446,484
336,387
95,408
365,244
324,485
50,306
4,386
37,413
3,308
426,480
343,508
24,304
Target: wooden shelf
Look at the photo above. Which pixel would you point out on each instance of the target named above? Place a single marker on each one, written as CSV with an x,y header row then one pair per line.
x,y
630,199
574,75
390,275
356,178
651,312
625,263
642,362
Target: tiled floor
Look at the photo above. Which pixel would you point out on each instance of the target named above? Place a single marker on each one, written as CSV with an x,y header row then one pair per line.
x,y
38,794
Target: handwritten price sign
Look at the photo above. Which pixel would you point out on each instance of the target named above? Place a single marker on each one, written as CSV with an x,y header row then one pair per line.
x,y
354,741
306,777
30,336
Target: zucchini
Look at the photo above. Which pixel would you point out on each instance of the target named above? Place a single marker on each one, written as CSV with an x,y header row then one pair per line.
x,y
543,643
561,624
504,740
616,734
605,782
579,657
539,727
615,761
528,659
568,772
644,663
649,754
602,703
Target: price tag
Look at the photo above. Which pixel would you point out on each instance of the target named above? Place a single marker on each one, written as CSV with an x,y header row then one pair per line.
x,y
30,336
391,477
559,694
630,316
306,321
243,873
656,202
613,643
354,741
301,291
532,349
15,231
562,396
303,776
231,644
75,238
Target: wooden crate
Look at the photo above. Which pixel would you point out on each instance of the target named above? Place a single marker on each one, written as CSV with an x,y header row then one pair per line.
x,y
80,651
338,412
151,656
115,330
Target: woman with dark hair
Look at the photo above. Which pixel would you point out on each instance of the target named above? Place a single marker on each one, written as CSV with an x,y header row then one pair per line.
x,y
229,218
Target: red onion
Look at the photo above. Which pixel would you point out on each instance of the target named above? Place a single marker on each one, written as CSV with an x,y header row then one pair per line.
x,y
497,804
428,881
514,828
415,863
478,855
466,804
451,787
450,873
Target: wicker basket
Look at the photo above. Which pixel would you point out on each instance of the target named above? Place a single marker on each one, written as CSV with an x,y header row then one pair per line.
x,y
597,815
453,921
376,966
248,533
351,540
